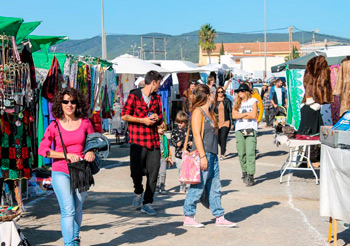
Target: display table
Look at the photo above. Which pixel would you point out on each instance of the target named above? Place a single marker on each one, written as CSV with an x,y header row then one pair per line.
x,y
334,188
297,156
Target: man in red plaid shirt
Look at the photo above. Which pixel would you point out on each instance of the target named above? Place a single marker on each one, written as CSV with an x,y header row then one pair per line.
x,y
143,112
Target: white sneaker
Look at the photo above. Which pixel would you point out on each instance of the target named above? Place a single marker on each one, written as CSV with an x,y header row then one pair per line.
x,y
137,201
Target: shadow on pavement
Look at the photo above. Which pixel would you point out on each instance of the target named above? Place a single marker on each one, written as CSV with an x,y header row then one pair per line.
x,y
245,212
105,204
231,156
267,176
146,233
225,182
345,236
269,132
271,153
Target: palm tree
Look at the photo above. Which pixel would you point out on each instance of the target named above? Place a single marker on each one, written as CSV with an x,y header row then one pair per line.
x,y
207,35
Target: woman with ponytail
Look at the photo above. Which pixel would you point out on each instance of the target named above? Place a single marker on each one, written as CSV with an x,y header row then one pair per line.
x,y
207,146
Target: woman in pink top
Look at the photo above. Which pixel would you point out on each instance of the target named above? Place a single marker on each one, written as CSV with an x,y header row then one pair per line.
x,y
70,111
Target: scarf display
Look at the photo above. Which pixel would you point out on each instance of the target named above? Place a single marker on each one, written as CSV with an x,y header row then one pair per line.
x,y
295,95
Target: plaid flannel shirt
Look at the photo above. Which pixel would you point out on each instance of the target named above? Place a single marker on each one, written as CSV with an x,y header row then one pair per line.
x,y
146,136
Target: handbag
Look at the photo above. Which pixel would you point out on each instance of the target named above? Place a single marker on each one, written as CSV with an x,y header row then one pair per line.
x,y
80,172
191,162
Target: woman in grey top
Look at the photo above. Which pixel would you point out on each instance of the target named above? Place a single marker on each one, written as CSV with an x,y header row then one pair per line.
x,y
208,150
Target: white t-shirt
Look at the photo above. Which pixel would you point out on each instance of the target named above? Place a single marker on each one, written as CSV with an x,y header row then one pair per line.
x,y
247,107
279,96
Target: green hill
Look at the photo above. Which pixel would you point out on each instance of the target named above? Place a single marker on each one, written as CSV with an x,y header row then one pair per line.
x,y
120,44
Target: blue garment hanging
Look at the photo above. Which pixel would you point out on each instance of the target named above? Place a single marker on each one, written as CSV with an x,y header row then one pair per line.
x,y
165,92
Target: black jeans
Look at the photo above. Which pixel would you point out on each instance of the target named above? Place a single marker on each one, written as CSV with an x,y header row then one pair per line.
x,y
144,162
270,116
223,133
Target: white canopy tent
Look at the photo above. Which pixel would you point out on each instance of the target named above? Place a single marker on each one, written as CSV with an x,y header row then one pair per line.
x,y
335,51
127,64
213,67
177,66
240,72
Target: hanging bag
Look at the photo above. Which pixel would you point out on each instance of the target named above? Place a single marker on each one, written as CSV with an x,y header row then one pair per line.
x,y
80,172
191,162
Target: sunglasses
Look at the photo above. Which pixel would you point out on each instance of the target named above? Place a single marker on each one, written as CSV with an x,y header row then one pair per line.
x,y
69,101
220,92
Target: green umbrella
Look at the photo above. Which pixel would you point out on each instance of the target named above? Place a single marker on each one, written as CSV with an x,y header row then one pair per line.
x,y
10,25
25,29
44,42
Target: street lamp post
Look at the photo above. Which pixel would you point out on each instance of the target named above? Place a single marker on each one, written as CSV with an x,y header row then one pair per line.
x,y
104,45
265,38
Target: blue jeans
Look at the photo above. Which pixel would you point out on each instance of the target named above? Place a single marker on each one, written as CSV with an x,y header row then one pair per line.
x,y
211,182
71,206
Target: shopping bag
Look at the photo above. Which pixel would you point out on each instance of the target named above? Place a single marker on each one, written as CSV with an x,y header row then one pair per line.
x,y
191,168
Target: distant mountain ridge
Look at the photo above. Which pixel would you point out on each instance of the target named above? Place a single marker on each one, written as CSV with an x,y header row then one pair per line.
x,y
125,43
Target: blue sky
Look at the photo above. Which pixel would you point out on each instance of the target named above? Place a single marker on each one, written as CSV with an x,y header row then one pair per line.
x,y
82,19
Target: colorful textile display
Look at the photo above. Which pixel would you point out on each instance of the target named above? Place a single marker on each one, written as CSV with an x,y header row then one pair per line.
x,y
295,95
16,156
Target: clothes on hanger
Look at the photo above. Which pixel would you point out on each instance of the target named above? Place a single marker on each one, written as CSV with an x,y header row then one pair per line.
x,y
342,85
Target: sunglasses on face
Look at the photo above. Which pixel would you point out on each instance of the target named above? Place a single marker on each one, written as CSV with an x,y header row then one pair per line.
x,y
73,102
220,92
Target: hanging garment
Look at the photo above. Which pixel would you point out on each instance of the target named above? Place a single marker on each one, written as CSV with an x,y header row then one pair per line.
x,y
317,80
311,119
326,114
16,157
96,122
335,105
73,75
26,57
46,122
342,85
295,95
165,93
183,82
53,81
40,129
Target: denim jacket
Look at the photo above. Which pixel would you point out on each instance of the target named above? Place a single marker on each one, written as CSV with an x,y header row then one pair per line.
x,y
99,143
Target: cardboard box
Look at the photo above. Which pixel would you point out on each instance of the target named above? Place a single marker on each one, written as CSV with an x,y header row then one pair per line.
x,y
333,138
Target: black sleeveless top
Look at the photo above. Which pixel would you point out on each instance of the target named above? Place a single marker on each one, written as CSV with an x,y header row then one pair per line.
x,y
210,138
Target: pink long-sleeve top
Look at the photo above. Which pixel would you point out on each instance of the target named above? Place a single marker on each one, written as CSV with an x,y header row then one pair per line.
x,y
73,140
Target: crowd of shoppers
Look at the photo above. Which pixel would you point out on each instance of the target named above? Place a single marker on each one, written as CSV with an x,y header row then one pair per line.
x,y
207,117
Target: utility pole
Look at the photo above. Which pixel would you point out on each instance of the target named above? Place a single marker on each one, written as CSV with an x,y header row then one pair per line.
x,y
291,43
265,74
104,44
141,49
154,49
181,53
165,49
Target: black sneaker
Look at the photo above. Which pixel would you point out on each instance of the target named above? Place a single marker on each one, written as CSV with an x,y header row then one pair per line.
x,y
250,180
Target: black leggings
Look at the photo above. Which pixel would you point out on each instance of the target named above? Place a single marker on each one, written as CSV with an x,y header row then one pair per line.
x,y
144,162
223,133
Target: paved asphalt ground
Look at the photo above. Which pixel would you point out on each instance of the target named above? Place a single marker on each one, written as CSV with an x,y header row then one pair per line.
x,y
268,213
